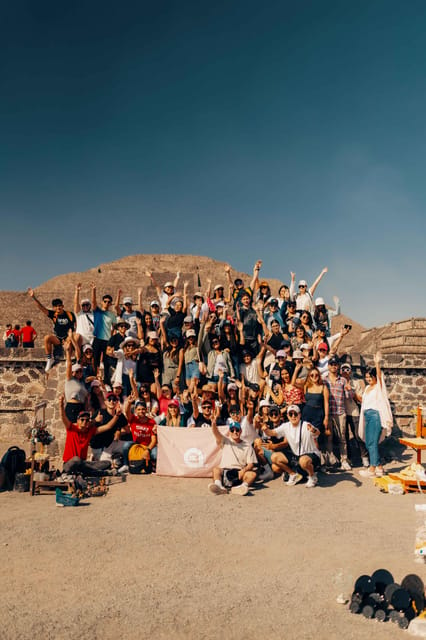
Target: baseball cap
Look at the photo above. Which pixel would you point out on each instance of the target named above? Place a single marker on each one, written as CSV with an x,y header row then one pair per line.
x,y
128,340
234,425
346,366
152,335
304,346
86,347
333,360
319,302
273,301
188,319
293,407
154,303
95,383
218,286
76,367
297,355
169,284
127,300
86,301
303,283
281,354
190,332
84,414
232,385
140,403
323,345
174,403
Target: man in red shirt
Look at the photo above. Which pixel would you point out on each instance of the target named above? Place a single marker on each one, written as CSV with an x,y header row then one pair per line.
x,y
28,335
143,431
77,442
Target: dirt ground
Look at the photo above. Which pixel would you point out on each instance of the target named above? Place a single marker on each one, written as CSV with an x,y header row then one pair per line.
x,y
162,557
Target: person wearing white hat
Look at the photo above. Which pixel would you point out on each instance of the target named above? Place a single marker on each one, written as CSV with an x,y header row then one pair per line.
x,y
301,438
169,288
130,315
323,315
75,391
304,301
84,321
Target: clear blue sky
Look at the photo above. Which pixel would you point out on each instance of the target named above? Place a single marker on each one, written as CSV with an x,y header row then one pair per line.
x,y
288,131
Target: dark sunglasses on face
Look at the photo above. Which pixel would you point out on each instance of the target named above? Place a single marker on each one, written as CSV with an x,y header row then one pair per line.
x,y
234,430
273,413
292,414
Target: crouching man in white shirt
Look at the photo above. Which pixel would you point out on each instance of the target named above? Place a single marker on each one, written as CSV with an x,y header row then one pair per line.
x,y
236,470
303,453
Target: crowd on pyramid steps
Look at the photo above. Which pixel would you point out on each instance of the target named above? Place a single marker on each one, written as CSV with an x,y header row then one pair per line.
x,y
263,366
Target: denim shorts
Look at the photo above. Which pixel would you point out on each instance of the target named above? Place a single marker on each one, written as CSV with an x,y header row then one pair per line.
x,y
192,370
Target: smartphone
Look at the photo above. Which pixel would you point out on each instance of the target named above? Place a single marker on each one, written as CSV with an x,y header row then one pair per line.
x,y
347,326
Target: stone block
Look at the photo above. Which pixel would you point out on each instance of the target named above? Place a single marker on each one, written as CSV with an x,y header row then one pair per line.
x,y
23,379
14,388
49,394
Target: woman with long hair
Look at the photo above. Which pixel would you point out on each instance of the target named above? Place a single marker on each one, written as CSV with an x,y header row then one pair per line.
x,y
316,408
375,420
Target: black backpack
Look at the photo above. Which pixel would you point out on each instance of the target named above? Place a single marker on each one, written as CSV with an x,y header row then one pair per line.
x,y
13,462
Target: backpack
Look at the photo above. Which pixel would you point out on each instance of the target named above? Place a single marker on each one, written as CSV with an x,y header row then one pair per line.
x,y
138,464
11,341
13,462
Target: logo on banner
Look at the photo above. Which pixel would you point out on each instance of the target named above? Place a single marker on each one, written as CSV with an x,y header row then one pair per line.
x,y
194,458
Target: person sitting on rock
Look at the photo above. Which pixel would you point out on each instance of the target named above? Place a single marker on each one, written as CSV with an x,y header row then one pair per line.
x,y
63,326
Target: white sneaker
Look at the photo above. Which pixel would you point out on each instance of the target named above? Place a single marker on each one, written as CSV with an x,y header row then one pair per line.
x,y
240,490
312,481
332,460
293,478
345,466
367,473
267,474
365,461
214,488
49,364
123,469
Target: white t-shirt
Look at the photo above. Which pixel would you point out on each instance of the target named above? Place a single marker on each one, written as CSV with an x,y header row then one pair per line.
x,y
235,455
299,438
250,371
85,325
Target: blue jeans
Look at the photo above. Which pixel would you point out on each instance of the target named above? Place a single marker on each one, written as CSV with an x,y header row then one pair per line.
x,y
128,444
373,428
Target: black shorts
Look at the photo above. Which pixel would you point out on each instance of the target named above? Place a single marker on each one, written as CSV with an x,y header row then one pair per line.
x,y
294,461
230,477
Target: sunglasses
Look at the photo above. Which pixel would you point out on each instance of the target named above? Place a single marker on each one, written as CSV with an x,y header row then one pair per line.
x,y
112,399
292,414
274,413
84,419
234,430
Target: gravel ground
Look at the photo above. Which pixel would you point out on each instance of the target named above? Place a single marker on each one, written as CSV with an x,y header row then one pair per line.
x,y
162,557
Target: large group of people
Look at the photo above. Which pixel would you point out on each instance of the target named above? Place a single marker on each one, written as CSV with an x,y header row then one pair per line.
x,y
265,367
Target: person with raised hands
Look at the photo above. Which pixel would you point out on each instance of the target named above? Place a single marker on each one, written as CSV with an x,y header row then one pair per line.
x,y
235,473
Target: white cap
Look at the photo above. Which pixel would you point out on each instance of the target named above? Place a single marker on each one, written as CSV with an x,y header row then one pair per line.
x,y
319,301
293,407
76,367
127,300
303,283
